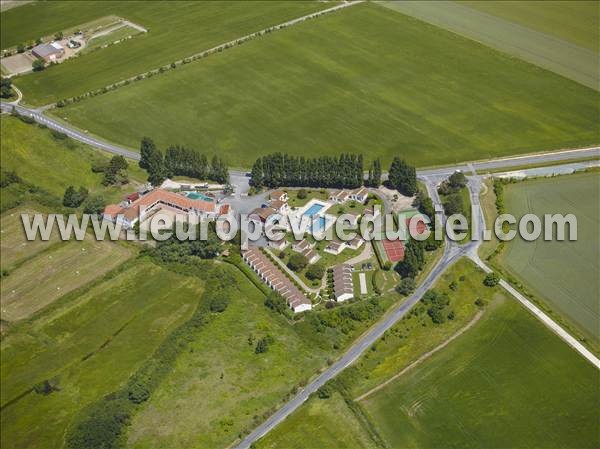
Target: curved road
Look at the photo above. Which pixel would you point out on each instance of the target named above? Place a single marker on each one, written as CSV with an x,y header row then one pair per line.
x,y
452,252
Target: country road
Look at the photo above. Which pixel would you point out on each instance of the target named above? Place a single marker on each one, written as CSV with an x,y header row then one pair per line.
x,y
452,252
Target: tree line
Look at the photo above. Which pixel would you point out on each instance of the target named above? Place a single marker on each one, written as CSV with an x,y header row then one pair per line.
x,y
278,169
345,171
179,161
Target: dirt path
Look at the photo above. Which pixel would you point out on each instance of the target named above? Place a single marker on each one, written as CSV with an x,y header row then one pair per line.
x,y
425,356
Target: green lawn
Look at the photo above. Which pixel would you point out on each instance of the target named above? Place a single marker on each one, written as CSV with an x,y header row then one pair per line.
x,y
90,343
115,35
217,387
395,87
565,274
507,382
53,164
176,30
574,21
561,36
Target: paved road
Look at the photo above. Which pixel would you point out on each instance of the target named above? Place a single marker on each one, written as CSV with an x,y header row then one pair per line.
x,y
239,176
452,252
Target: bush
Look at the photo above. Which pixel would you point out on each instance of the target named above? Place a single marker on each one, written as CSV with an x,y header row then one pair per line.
x,y
453,285
276,302
324,392
219,303
479,302
38,65
74,198
297,262
315,272
491,280
94,205
302,194
406,286
387,266
262,345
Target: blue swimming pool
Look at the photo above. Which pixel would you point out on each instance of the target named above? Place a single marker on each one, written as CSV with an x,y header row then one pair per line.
x,y
197,196
313,210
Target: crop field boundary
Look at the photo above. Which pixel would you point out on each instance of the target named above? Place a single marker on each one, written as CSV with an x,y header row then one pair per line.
x,y
424,357
548,52
203,54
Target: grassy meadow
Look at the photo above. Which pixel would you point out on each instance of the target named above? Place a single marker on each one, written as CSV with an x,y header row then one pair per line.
x,y
223,377
53,164
175,30
379,94
565,274
89,343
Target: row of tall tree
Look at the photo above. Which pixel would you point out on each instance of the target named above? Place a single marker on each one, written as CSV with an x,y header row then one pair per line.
x,y
345,171
278,169
180,161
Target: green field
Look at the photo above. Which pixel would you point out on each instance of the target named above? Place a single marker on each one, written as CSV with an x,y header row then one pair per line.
x,y
563,273
574,21
53,164
219,385
507,382
299,91
90,343
543,35
176,30
506,371
319,424
115,35
14,246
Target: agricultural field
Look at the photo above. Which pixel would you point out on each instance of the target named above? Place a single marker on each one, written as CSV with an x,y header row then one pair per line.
x,y
561,36
14,246
41,280
176,31
89,344
483,368
376,95
565,274
52,163
507,372
574,21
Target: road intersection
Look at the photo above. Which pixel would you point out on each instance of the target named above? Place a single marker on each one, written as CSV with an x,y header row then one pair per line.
x,y
451,253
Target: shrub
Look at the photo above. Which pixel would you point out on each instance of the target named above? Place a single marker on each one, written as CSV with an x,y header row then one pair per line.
x,y
406,286
297,262
324,392
315,272
479,302
38,65
491,280
302,194
453,285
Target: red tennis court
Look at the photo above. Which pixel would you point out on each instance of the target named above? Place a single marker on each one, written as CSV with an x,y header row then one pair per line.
x,y
394,250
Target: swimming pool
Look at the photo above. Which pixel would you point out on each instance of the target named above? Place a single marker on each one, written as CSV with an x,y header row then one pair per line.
x,y
197,196
318,225
313,210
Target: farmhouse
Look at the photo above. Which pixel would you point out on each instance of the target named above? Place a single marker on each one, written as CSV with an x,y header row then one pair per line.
x,y
136,207
361,194
343,287
276,280
48,52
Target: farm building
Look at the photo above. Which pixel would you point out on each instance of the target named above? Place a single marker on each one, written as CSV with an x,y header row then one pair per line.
x,y
343,287
276,280
48,52
137,208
